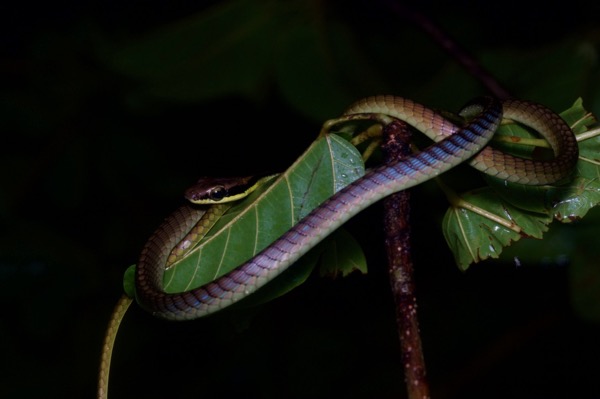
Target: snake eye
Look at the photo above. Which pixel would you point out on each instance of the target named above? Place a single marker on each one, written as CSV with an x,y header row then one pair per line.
x,y
217,193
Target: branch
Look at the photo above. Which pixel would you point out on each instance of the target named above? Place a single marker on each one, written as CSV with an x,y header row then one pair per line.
x,y
396,144
458,53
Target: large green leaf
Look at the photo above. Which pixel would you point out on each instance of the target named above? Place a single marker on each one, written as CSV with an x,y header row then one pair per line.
x,y
234,48
225,49
483,222
329,164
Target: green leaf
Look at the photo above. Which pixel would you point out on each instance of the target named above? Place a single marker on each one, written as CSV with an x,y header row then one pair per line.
x,y
303,63
505,212
342,255
583,193
223,50
129,281
236,48
569,201
329,164
473,237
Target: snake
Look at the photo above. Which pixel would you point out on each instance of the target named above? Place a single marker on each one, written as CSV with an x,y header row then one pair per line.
x,y
455,144
216,192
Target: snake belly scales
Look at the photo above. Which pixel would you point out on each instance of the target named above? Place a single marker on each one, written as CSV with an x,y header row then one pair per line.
x,y
455,144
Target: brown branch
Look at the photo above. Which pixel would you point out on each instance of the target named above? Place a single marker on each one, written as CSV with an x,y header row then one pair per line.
x,y
396,139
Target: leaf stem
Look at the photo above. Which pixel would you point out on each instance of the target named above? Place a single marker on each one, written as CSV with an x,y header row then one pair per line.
x,y
589,134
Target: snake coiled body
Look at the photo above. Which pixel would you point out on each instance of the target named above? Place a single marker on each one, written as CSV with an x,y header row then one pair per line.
x,y
457,145
490,160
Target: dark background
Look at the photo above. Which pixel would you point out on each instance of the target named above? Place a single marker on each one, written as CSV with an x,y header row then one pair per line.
x,y
107,116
